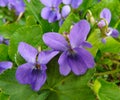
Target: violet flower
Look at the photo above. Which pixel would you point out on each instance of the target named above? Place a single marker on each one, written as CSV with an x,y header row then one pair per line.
x,y
18,5
4,65
3,3
64,13
33,72
74,3
103,25
74,57
3,40
51,11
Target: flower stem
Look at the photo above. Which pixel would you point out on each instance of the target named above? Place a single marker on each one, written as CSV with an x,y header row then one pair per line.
x,y
108,72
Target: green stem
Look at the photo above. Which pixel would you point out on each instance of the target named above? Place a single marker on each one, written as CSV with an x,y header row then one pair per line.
x,y
32,10
116,25
108,72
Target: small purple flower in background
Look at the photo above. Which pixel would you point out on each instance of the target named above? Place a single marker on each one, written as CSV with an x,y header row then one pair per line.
x,y
28,0
74,57
103,25
18,5
64,13
3,40
34,71
4,65
74,3
51,11
3,3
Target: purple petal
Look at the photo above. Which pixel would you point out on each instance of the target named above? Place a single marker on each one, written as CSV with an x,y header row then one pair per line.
x,y
19,7
51,3
66,1
45,56
55,41
23,73
106,14
79,33
103,40
45,13
27,52
47,3
3,3
76,3
86,57
6,41
1,39
38,79
5,65
115,33
65,11
101,24
56,3
53,16
28,0
86,44
63,63
61,21
77,64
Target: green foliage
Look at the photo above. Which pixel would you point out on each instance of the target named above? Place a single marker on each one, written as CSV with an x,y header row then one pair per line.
x,y
17,91
111,45
4,96
29,34
69,87
106,90
104,78
69,21
3,52
7,30
56,88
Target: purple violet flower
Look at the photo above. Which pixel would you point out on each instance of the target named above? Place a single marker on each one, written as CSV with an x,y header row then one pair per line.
x,y
74,3
51,11
34,71
3,40
18,5
5,65
3,3
64,13
74,57
103,24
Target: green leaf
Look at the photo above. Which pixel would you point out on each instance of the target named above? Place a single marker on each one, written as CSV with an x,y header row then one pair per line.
x,y
18,91
57,87
69,21
8,29
3,52
110,4
34,8
29,34
4,96
106,90
111,45
30,21
69,87
95,39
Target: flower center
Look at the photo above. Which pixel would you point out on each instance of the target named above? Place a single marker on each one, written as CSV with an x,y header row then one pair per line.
x,y
37,66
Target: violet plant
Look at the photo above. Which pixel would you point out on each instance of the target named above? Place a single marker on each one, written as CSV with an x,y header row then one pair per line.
x,y
4,65
104,25
17,5
34,71
52,50
74,57
74,3
51,11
